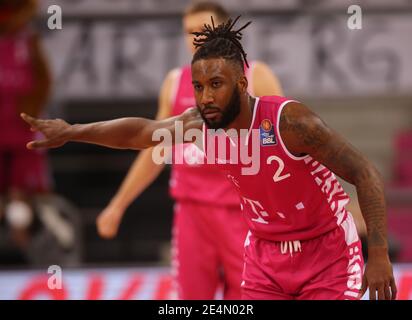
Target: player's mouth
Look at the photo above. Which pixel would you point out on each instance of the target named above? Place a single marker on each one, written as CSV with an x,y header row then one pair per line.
x,y
210,113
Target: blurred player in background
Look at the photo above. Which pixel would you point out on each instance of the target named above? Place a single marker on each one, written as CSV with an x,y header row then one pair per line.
x,y
25,83
207,215
24,86
302,242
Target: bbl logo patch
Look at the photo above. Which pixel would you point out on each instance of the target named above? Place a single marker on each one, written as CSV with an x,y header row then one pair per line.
x,y
267,133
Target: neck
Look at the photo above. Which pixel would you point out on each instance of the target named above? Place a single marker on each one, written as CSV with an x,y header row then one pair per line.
x,y
244,119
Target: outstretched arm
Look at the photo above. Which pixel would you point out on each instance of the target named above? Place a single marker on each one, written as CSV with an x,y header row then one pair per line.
x,y
124,133
305,133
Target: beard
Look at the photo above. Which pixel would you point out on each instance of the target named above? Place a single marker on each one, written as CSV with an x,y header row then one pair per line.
x,y
228,114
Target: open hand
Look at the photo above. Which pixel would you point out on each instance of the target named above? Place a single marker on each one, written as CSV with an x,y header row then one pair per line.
x,y
56,132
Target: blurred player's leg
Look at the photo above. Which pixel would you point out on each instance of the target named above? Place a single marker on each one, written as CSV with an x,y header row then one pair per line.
x,y
195,259
3,178
232,230
30,171
27,177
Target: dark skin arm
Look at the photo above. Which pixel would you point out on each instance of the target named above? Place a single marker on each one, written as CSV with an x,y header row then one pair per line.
x,y
303,132
124,133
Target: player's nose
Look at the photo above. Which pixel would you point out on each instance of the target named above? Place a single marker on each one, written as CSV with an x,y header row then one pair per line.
x,y
207,97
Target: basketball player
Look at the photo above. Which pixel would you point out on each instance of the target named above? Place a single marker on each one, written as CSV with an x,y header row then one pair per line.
x,y
204,198
302,242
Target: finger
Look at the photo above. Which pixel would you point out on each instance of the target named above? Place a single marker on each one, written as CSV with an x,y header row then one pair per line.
x,y
394,290
363,287
372,293
33,129
387,291
30,145
30,120
381,292
38,144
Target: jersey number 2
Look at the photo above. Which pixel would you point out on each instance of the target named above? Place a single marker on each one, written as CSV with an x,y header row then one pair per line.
x,y
278,174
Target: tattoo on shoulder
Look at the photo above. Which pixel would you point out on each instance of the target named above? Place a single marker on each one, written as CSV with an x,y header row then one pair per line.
x,y
307,129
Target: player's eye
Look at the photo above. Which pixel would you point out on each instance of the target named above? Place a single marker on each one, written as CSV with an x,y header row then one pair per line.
x,y
216,84
197,87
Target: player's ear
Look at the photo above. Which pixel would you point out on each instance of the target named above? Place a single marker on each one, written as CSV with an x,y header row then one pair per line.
x,y
242,84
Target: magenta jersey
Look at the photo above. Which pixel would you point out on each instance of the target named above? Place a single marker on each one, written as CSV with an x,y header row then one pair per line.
x,y
16,79
197,182
289,198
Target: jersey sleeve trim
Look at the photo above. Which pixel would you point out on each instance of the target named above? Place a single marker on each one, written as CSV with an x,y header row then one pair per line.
x,y
253,119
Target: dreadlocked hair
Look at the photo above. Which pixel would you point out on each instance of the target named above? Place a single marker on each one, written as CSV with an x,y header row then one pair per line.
x,y
220,42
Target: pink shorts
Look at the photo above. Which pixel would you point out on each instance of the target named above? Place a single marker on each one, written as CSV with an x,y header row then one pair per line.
x,y
329,267
23,169
207,250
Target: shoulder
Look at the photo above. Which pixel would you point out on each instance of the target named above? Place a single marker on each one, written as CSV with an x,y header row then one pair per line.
x,y
172,76
259,66
260,69
264,80
166,93
169,82
301,127
295,114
